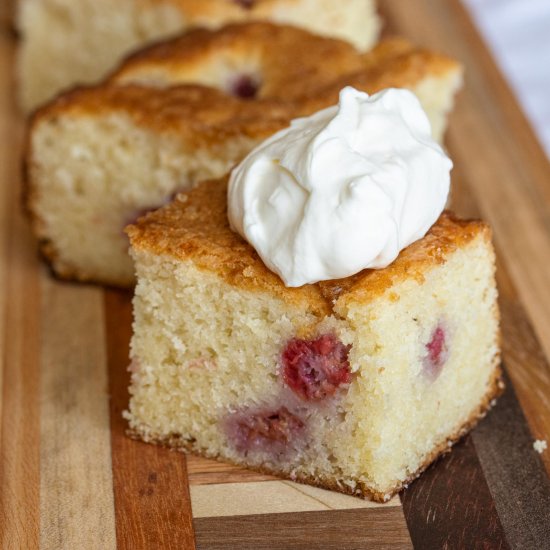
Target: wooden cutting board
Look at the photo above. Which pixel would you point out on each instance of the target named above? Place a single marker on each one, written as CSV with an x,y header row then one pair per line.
x,y
70,478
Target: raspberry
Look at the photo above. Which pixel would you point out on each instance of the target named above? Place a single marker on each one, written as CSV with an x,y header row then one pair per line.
x,y
264,430
246,4
437,352
245,87
314,369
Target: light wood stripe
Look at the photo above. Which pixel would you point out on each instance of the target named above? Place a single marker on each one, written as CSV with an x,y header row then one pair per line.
x,y
270,497
76,495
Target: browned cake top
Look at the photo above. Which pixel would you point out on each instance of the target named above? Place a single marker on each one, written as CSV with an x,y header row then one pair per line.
x,y
195,227
180,86
282,60
226,9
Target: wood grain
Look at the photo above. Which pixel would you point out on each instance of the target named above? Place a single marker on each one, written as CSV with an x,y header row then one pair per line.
x,y
6,14
451,506
76,485
202,471
8,126
153,506
526,364
19,327
519,483
270,497
334,530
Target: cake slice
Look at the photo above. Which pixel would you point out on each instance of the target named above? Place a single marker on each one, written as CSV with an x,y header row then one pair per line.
x,y
355,384
186,111
66,42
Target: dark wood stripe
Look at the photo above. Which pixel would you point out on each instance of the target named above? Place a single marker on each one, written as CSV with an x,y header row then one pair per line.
x,y
515,474
333,530
451,506
6,19
153,507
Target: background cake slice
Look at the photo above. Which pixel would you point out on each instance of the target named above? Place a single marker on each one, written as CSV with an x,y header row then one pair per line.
x,y
354,384
67,42
178,113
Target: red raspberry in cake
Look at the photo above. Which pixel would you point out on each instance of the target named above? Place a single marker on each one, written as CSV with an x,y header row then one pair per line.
x,y
268,430
246,4
314,369
437,352
245,87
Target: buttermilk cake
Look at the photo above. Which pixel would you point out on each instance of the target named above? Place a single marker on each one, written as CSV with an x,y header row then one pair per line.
x,y
355,384
188,110
65,42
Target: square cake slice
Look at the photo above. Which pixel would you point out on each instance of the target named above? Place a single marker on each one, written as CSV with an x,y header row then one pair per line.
x,y
355,384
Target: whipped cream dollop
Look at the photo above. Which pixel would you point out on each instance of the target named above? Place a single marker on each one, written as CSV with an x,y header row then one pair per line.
x,y
342,190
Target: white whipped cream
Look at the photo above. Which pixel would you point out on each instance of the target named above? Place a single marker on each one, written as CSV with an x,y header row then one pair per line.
x,y
342,190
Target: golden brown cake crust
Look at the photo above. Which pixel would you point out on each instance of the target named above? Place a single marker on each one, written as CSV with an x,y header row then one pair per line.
x,y
301,73
195,227
293,64
495,388
283,71
197,9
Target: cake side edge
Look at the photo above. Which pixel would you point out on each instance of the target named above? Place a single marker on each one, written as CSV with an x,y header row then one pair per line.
x,y
496,388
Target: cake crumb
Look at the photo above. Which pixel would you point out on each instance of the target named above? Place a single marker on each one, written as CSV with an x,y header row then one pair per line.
x,y
540,446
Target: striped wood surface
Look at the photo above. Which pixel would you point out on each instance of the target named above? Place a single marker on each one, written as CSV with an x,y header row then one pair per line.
x,y
69,478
